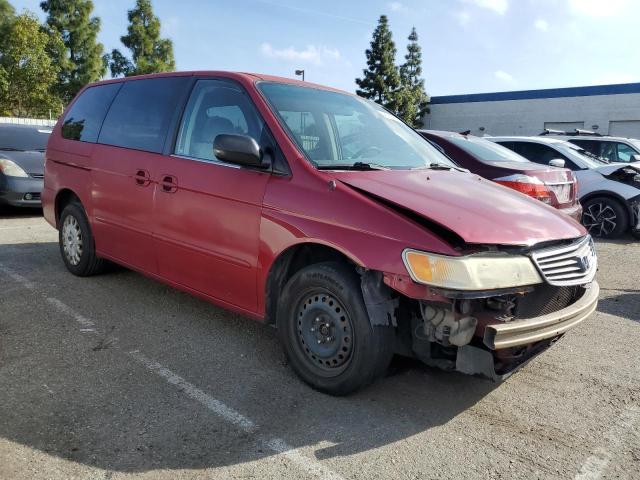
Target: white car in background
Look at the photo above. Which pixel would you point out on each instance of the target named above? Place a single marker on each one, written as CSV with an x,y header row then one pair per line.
x,y
609,192
611,149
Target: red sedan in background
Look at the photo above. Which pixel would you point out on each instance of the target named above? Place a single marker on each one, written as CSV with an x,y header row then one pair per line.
x,y
552,185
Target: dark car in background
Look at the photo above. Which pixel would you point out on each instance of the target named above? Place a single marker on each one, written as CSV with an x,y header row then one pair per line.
x,y
22,164
551,185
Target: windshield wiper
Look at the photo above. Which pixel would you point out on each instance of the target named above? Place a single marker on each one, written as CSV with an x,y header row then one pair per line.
x,y
360,166
439,166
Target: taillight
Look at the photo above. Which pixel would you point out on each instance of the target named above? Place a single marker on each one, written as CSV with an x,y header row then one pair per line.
x,y
532,186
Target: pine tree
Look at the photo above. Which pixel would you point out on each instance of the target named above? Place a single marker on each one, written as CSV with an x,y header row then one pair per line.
x,y
412,99
149,52
28,71
82,61
380,81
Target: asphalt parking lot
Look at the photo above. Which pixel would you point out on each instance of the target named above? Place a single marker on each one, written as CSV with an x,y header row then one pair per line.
x,y
118,376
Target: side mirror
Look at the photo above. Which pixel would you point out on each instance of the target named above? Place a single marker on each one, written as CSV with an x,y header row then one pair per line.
x,y
238,149
557,162
635,158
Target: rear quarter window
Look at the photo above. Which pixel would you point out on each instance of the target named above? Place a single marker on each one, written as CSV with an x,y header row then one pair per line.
x,y
84,119
139,116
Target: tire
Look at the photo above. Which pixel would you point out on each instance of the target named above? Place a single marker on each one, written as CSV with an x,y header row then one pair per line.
x,y
326,333
77,246
605,217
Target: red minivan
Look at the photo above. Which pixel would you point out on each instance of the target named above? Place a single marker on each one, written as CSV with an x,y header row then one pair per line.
x,y
317,212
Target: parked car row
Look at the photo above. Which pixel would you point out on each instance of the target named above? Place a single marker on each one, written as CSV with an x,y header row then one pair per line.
x,y
556,172
322,214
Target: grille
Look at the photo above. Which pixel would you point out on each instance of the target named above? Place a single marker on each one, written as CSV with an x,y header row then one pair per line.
x,y
546,299
37,175
574,264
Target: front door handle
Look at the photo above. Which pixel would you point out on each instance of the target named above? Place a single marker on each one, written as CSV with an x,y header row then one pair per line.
x,y
169,184
142,178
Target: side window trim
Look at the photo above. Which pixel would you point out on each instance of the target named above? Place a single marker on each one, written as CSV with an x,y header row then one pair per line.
x,y
109,108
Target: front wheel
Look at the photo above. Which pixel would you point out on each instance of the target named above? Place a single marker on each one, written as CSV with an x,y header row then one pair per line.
x,y
326,332
605,217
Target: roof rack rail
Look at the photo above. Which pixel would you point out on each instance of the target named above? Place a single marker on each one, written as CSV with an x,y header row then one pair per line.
x,y
580,131
551,131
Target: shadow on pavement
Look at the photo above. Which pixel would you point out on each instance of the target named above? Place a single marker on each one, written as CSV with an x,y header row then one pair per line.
x,y
61,395
16,212
625,304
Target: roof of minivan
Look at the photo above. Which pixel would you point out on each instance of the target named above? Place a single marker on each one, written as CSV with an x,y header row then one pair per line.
x,y
240,76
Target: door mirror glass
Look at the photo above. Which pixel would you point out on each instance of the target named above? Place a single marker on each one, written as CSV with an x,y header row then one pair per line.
x,y
557,162
238,149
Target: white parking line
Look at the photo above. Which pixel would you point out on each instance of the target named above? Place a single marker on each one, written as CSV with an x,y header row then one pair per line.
x,y
67,310
277,445
18,278
59,305
597,463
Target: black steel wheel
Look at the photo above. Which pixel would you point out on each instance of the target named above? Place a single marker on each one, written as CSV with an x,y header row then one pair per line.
x,y
326,333
605,217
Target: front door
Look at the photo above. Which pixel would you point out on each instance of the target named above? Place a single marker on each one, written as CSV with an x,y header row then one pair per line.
x,y
206,212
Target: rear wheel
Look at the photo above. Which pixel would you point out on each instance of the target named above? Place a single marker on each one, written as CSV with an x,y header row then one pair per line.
x,y
605,217
326,332
76,242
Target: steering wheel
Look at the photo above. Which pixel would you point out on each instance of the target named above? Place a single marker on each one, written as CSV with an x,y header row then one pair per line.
x,y
371,148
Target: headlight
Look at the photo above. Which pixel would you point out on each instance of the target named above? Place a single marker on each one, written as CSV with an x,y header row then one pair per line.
x,y
472,272
11,169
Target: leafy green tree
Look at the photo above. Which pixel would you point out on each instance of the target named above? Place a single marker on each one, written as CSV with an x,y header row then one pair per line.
x,y
149,52
412,99
7,14
81,61
29,74
380,81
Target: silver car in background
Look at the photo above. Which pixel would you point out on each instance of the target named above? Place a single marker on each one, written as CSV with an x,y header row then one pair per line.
x,y
22,164
609,192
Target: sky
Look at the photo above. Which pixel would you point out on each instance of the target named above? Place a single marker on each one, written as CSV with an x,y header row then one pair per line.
x,y
468,46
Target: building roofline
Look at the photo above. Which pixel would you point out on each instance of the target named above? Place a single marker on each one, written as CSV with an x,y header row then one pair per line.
x,y
616,89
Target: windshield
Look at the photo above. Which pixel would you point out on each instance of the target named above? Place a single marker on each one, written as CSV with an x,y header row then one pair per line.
x,y
23,138
635,143
484,150
336,130
579,155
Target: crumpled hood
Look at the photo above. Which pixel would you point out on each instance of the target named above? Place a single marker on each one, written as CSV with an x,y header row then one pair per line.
x,y
609,169
476,209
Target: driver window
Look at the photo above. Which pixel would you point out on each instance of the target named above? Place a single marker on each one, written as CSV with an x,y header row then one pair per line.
x,y
215,108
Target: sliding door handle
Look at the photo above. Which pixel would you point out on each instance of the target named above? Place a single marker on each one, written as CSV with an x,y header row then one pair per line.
x,y
168,184
142,178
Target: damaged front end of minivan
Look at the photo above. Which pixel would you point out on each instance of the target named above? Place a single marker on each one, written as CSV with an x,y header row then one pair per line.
x,y
488,312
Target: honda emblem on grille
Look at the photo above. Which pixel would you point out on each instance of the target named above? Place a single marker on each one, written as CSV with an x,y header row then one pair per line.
x,y
585,263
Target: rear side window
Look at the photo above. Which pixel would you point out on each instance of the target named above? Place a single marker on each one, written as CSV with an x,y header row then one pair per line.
x,y
141,112
85,118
